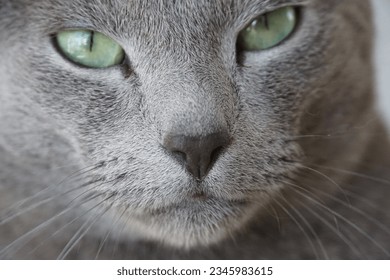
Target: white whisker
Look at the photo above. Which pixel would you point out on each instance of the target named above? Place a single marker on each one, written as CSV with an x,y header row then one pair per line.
x,y
111,228
21,241
299,226
81,232
353,225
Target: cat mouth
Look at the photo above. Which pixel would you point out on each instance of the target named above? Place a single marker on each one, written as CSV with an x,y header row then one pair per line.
x,y
200,196
200,202
200,193
203,197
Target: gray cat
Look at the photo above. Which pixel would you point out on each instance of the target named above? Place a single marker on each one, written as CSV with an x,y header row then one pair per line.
x,y
228,129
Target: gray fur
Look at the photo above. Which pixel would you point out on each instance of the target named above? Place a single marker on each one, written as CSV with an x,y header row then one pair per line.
x,y
306,174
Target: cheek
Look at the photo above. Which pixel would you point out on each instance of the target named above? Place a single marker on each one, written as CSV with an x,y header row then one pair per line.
x,y
87,105
59,93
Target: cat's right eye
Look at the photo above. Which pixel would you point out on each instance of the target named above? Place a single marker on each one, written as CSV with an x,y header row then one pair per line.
x,y
89,48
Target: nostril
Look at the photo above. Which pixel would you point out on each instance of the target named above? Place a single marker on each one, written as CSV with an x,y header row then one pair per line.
x,y
215,154
180,156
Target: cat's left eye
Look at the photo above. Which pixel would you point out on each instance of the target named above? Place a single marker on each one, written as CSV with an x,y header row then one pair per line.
x,y
89,48
268,30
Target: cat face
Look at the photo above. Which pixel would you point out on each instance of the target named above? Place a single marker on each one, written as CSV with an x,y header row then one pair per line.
x,y
190,134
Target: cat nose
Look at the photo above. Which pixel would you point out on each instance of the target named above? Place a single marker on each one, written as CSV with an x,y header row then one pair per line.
x,y
198,154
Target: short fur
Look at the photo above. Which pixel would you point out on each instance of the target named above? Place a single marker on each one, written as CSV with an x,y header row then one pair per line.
x,y
83,169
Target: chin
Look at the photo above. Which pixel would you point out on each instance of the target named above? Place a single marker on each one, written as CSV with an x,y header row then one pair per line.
x,y
194,222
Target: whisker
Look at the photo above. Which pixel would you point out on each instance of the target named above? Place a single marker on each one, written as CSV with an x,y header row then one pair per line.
x,y
72,176
357,210
360,175
83,231
21,241
71,222
353,225
306,194
340,133
299,226
117,236
336,229
5,220
364,200
102,243
309,136
309,226
329,179
88,191
276,216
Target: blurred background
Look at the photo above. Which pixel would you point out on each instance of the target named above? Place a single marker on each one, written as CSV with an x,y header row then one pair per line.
x,y
382,18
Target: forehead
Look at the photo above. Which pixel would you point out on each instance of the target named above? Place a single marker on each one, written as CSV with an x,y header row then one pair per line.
x,y
133,11
161,6
167,19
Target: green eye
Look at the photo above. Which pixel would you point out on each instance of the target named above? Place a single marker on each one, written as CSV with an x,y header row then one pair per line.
x,y
89,48
268,30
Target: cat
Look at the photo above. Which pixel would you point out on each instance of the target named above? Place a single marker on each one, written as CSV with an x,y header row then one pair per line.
x,y
229,129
